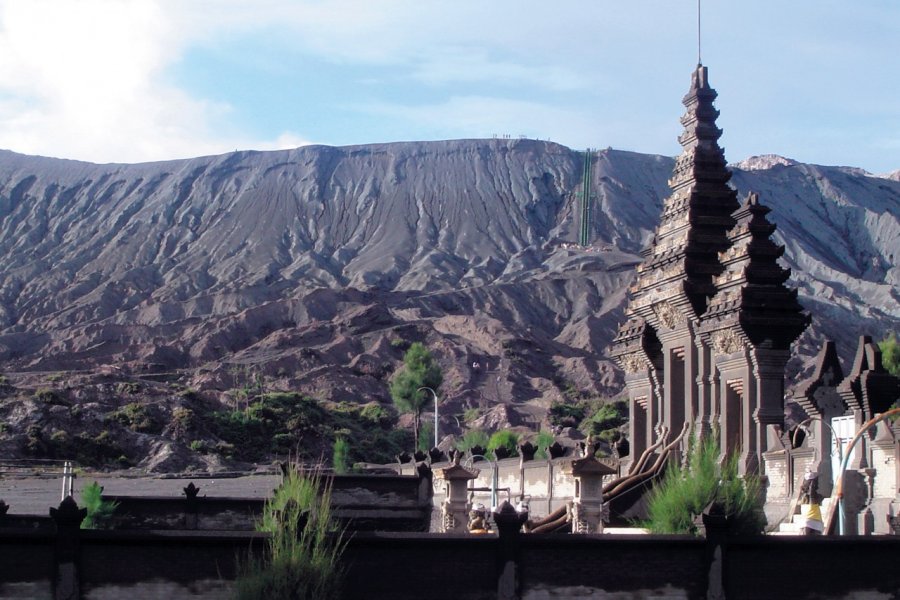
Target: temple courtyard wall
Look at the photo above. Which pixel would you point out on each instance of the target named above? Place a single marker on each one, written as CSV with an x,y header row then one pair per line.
x,y
195,564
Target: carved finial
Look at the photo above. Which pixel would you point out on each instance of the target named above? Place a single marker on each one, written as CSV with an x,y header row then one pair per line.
x,y
68,513
191,491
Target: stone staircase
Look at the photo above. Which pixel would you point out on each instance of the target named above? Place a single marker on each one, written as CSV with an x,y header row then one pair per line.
x,y
794,526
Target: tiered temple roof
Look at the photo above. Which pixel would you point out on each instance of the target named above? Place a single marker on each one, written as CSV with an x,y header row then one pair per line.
x,y
751,299
683,258
869,388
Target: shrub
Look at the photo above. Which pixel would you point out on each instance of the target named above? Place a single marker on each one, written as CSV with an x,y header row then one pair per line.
x,y
472,438
608,416
890,354
564,414
383,416
341,456
99,511
199,446
426,436
182,420
303,553
686,491
470,414
47,396
128,387
504,439
135,417
543,441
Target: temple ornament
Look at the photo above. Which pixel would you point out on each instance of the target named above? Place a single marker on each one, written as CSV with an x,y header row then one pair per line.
x,y
668,316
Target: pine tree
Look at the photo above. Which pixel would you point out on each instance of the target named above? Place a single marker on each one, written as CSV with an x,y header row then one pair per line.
x,y
419,370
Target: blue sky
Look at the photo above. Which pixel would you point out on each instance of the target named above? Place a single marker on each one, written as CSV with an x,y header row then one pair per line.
x,y
140,80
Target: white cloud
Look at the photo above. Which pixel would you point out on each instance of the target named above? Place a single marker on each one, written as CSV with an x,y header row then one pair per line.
x,y
85,79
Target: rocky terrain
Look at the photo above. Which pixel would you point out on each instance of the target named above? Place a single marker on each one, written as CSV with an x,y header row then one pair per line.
x,y
310,270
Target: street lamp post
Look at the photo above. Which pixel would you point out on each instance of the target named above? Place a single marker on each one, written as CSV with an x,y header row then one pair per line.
x,y
433,393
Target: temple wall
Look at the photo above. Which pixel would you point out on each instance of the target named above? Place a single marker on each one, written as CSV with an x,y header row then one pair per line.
x,y
399,566
884,461
776,470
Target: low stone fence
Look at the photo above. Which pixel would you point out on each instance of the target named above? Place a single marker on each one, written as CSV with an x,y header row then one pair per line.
x,y
360,502
73,563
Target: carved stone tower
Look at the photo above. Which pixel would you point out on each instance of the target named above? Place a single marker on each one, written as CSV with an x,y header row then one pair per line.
x,y
709,320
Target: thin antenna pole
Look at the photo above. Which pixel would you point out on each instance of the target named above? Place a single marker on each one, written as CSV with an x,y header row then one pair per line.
x,y
699,56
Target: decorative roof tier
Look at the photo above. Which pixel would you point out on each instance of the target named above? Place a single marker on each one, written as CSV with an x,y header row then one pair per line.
x,y
750,292
635,345
869,388
679,266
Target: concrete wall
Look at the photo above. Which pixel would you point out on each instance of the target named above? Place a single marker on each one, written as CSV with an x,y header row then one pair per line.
x,y
402,566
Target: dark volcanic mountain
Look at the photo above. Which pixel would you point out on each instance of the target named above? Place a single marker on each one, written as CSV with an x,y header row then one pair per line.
x,y
312,266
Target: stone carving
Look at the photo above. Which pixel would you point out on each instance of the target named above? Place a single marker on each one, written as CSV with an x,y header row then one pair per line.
x,y
669,316
726,342
448,518
633,362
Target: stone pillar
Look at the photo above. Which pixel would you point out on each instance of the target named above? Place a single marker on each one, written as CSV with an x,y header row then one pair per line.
x,y
588,511
68,518
768,371
509,523
455,507
714,527
704,383
191,508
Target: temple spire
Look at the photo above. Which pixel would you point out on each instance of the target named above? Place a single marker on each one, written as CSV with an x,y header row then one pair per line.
x,y
683,258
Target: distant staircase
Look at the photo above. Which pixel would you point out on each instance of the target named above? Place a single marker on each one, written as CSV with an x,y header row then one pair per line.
x,y
794,522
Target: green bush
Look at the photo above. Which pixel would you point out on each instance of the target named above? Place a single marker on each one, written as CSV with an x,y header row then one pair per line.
x,y
182,420
426,436
472,438
564,414
303,554
543,441
504,439
470,414
135,417
890,354
341,456
686,491
608,416
199,446
275,423
383,416
99,511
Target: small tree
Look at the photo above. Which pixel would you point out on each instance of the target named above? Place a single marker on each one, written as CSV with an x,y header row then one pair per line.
x,y
890,354
419,370
99,511
303,552
686,491
341,457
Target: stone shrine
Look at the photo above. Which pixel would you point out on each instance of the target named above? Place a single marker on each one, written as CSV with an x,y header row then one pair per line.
x,y
709,319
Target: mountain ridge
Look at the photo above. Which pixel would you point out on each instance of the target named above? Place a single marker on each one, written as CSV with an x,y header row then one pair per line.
x,y
200,262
